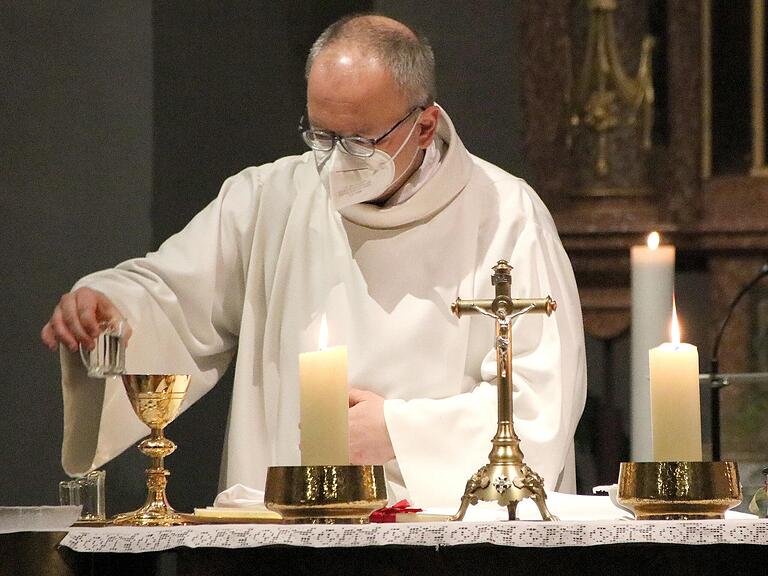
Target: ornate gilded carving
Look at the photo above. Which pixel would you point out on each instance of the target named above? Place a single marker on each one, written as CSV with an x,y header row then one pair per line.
x,y
606,98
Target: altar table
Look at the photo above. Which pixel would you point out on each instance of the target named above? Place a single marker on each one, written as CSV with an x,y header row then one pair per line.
x,y
568,547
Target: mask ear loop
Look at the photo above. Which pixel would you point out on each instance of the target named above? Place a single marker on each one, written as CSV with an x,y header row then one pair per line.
x,y
407,138
415,154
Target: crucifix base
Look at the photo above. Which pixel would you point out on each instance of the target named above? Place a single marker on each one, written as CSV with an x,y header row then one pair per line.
x,y
507,485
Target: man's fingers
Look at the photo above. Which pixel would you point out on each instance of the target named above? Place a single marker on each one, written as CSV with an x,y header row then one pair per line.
x,y
79,319
71,316
86,304
356,396
106,311
48,336
61,332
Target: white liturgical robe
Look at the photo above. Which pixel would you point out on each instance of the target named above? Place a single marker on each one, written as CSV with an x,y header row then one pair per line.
x,y
253,273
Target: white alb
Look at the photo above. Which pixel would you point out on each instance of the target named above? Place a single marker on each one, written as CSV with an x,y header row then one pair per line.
x,y
253,273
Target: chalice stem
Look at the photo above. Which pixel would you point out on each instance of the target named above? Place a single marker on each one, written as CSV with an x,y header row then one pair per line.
x,y
157,447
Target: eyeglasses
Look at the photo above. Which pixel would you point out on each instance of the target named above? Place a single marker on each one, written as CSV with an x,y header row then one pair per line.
x,y
324,141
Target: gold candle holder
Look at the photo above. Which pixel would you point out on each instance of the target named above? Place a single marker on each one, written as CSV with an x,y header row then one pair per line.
x,y
325,494
679,490
156,399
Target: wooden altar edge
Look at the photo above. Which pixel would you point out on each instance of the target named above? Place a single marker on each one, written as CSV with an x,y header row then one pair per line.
x,y
514,534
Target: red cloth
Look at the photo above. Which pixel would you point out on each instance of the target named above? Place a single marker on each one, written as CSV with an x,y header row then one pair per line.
x,y
387,514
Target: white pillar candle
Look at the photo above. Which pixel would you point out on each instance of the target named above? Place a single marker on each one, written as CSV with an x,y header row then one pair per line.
x,y
653,277
675,402
324,404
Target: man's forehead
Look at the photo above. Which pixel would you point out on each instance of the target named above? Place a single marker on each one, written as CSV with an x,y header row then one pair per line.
x,y
344,120
348,70
349,93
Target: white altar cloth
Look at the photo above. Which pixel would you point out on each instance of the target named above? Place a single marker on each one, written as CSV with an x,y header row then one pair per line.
x,y
520,533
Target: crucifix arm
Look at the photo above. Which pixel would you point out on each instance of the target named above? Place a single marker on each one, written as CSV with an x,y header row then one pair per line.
x,y
509,305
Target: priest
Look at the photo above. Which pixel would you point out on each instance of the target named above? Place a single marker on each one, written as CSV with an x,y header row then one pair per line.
x,y
378,226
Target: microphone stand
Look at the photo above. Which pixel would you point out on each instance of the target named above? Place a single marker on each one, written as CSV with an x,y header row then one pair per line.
x,y
715,381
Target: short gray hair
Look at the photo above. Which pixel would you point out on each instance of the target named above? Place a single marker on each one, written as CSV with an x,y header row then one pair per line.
x,y
405,52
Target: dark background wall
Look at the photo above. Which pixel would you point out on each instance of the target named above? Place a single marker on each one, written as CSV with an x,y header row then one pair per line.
x,y
120,120
75,196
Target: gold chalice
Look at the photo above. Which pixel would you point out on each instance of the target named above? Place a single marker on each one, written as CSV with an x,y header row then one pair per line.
x,y
156,399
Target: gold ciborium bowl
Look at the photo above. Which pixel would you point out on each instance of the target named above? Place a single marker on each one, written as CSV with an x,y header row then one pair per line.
x,y
679,490
156,399
325,494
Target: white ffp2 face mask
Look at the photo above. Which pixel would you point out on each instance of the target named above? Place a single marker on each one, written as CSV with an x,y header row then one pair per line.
x,y
354,180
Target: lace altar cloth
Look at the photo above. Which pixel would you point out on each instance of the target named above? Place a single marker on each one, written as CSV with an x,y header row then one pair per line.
x,y
528,534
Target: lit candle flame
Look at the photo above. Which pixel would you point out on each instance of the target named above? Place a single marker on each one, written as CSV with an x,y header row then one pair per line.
x,y
674,325
323,339
653,240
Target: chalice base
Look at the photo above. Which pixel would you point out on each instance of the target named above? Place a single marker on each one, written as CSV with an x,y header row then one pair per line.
x,y
151,514
156,510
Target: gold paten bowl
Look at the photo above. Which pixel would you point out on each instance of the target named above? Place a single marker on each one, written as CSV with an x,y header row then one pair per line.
x,y
679,490
325,494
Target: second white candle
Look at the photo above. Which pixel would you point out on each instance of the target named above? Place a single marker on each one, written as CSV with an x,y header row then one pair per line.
x,y
675,400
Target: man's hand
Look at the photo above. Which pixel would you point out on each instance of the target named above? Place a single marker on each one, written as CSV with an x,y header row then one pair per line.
x,y
369,441
76,319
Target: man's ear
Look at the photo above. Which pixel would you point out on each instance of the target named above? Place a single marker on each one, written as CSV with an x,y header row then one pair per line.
x,y
428,125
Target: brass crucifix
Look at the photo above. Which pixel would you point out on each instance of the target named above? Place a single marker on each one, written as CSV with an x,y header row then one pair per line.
x,y
506,479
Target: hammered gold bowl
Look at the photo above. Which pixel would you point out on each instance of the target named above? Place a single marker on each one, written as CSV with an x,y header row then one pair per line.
x,y
325,494
679,490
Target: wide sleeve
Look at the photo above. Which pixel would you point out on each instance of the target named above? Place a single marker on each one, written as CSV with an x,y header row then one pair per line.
x,y
184,303
440,443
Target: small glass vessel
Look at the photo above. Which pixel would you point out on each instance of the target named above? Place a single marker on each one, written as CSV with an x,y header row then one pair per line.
x,y
108,355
